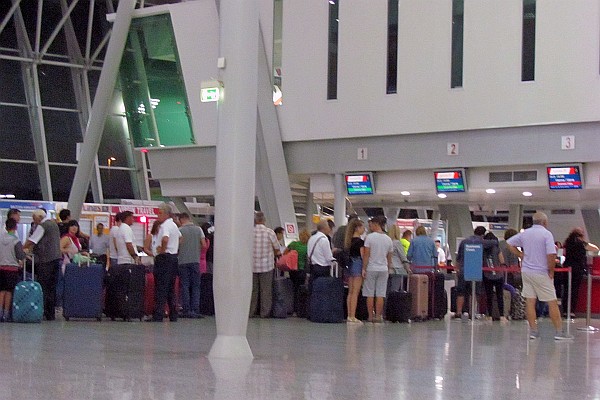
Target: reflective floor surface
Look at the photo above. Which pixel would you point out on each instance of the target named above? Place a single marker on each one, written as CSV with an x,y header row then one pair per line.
x,y
297,359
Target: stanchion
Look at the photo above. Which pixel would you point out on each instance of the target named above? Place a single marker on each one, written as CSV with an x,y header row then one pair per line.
x,y
473,301
569,287
588,327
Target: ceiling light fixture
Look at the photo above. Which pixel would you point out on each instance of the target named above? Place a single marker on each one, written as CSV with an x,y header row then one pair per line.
x,y
442,195
405,193
527,194
490,191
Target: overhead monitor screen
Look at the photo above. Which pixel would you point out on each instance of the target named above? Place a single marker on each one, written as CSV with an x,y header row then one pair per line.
x,y
360,183
564,177
450,181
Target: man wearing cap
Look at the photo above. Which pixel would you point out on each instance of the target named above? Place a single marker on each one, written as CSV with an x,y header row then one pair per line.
x,y
45,242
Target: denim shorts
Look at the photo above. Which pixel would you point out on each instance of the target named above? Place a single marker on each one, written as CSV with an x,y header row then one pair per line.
x,y
355,267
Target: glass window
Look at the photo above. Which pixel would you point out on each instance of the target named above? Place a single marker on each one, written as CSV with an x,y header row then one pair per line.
x,y
528,51
392,54
153,89
458,18
332,62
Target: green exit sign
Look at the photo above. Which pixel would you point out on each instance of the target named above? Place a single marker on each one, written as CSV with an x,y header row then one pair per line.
x,y
209,94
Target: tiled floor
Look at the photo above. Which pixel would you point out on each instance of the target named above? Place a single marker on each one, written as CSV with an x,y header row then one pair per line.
x,y
297,359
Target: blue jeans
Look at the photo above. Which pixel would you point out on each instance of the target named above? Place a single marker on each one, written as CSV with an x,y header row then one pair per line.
x,y
189,278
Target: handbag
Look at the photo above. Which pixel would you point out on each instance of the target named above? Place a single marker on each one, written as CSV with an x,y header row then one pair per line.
x,y
288,261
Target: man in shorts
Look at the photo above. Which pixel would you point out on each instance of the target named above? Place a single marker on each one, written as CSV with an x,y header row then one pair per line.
x,y
377,262
538,257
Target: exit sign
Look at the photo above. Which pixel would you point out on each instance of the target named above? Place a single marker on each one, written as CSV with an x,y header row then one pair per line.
x,y
208,95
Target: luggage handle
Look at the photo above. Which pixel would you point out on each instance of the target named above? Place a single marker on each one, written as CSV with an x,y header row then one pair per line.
x,y
335,268
32,268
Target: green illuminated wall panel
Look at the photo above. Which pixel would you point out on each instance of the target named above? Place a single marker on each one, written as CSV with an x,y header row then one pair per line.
x,y
153,90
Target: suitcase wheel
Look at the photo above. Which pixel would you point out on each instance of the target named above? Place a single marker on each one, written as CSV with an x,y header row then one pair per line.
x,y
66,319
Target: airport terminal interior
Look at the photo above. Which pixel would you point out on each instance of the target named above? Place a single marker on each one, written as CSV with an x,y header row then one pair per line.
x,y
447,114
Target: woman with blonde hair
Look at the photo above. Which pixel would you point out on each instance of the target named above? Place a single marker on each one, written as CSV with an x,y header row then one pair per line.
x,y
400,262
354,245
299,277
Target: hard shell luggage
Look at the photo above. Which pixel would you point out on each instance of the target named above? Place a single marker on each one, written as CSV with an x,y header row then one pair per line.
x,y
327,298
398,306
302,301
207,300
438,298
125,287
283,296
82,296
419,288
28,299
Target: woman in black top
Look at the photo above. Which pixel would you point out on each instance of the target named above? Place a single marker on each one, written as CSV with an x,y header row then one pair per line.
x,y
354,245
575,250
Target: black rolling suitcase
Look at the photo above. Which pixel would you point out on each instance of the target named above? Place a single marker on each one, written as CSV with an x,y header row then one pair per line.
x,y
438,298
283,296
398,303
327,299
125,285
398,307
207,300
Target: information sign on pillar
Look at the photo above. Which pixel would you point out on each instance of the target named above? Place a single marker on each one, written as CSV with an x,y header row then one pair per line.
x,y
452,149
473,262
362,153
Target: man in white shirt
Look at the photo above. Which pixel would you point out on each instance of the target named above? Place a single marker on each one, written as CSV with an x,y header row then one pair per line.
x,y
112,241
319,252
166,265
377,262
126,253
441,253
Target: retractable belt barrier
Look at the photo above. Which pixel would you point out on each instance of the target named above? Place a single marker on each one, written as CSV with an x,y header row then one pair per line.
x,y
517,269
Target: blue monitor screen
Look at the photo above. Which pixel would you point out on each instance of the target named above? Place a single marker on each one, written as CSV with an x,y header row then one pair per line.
x,y
564,177
360,183
450,181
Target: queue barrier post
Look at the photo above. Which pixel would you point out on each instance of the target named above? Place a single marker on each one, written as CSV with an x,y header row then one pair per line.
x,y
588,327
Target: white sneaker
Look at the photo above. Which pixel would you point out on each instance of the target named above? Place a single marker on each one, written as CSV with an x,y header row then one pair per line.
x,y
562,336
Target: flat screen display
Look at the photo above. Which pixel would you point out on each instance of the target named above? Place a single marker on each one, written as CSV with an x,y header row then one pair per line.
x,y
360,183
450,181
564,177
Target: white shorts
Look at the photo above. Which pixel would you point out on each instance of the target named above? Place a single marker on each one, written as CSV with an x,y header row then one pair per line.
x,y
538,285
375,284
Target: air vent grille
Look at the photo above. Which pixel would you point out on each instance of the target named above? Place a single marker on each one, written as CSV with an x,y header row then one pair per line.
x,y
513,176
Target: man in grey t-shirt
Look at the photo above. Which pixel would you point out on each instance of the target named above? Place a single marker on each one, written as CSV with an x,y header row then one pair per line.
x,y
192,242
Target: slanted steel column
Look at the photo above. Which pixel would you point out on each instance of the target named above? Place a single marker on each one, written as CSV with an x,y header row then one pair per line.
x,y
81,88
100,108
34,101
274,194
235,178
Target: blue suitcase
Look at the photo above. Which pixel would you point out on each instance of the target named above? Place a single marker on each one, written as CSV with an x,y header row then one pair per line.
x,y
28,299
82,296
327,299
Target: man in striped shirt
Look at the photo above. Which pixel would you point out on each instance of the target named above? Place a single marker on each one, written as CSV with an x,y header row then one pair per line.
x,y
266,247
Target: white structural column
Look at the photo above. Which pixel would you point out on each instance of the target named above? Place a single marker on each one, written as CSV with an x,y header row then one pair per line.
x,y
515,216
101,106
235,178
458,217
339,203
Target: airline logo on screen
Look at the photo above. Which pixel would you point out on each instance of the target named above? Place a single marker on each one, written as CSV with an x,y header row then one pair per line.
x,y
449,181
564,178
359,184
